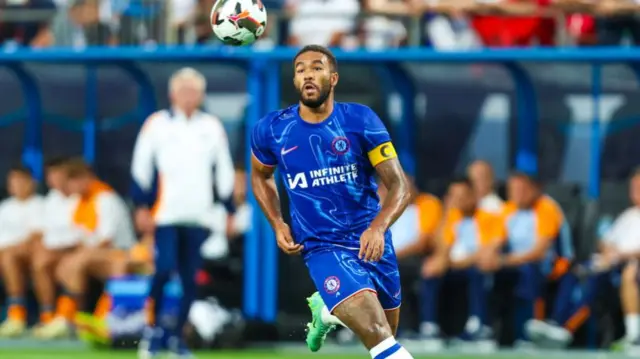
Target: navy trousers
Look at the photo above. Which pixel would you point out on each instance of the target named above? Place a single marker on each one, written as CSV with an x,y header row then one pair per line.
x,y
177,251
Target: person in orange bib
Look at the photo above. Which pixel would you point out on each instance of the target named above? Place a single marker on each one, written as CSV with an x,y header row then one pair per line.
x,y
107,236
467,231
536,248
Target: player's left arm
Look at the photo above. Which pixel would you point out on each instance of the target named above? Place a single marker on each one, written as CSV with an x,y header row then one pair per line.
x,y
397,198
549,219
384,159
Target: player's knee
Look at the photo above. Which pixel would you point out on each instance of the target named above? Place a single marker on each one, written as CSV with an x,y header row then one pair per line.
x,y
64,271
8,260
41,265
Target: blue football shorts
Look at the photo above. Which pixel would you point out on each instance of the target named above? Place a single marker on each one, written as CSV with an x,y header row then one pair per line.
x,y
339,274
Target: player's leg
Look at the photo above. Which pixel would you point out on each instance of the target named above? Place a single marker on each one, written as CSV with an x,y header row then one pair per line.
x,y
630,301
346,287
363,314
189,262
14,262
429,298
567,316
393,318
166,263
106,263
386,278
478,333
71,274
43,269
528,289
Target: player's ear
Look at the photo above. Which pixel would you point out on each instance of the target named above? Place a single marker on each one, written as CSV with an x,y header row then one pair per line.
x,y
334,78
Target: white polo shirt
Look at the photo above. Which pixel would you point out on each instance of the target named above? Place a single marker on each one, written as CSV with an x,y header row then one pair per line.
x,y
113,222
20,219
59,230
624,234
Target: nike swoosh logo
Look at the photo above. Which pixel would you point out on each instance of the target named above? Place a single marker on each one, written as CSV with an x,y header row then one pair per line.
x,y
284,152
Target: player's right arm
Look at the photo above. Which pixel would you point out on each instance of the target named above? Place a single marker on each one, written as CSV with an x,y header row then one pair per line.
x,y
263,166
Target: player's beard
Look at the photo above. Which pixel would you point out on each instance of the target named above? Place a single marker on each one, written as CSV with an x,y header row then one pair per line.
x,y
323,93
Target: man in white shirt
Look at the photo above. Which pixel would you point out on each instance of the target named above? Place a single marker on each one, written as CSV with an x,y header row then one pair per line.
x,y
617,261
107,235
321,22
59,238
481,174
173,166
20,229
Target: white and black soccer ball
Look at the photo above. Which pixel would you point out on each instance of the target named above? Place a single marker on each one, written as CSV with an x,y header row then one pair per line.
x,y
238,22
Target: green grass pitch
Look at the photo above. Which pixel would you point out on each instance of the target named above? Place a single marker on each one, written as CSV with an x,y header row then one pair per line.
x,y
83,354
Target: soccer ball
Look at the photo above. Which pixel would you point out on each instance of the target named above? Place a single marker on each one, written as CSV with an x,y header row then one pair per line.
x,y
238,22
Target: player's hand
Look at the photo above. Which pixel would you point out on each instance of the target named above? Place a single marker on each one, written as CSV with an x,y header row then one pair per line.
x,y
433,267
488,261
285,239
371,245
144,221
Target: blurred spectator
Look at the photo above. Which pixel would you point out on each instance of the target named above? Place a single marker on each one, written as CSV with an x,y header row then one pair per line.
x,y
415,230
380,30
466,231
506,23
321,22
482,178
580,23
142,22
34,30
619,250
240,221
59,238
448,26
538,246
107,236
81,23
20,229
182,14
202,22
615,19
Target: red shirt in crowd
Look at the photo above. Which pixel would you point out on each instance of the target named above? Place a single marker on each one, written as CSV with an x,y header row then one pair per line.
x,y
507,31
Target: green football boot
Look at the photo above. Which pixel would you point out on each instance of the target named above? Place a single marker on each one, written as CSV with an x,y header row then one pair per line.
x,y
317,330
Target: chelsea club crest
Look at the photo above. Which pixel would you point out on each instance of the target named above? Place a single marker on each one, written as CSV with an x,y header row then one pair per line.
x,y
340,145
332,285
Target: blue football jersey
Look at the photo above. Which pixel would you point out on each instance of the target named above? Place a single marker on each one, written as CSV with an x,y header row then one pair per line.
x,y
327,169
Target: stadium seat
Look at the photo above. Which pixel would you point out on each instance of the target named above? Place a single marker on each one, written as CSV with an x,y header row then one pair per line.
x,y
569,197
613,200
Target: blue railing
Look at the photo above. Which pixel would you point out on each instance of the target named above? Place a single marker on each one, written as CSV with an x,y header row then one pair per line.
x,y
261,264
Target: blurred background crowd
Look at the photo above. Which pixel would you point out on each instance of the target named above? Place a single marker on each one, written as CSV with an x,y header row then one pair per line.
x,y
375,24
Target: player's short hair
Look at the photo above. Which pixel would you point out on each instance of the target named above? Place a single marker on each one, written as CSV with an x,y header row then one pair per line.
x,y
463,180
528,176
321,49
21,169
188,74
54,162
635,173
77,167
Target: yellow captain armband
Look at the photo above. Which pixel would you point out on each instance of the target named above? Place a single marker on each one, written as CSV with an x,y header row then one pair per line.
x,y
382,153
